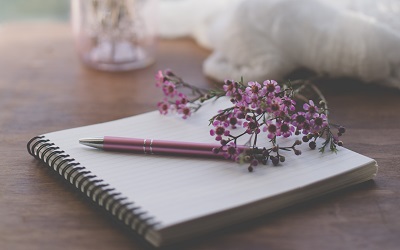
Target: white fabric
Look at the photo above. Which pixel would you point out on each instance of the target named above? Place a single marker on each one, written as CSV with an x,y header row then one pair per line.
x,y
268,39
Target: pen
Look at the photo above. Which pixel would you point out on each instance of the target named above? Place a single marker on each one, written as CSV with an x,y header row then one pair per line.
x,y
151,146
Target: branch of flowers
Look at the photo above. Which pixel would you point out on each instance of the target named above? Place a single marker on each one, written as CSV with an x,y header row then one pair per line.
x,y
256,155
324,109
170,76
267,106
221,113
308,83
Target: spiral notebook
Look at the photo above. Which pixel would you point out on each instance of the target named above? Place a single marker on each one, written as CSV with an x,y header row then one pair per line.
x,y
167,199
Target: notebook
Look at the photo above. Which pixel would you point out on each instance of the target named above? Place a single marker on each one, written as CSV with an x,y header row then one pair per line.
x,y
166,199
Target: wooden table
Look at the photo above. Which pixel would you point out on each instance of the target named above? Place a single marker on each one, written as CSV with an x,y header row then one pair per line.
x,y
45,88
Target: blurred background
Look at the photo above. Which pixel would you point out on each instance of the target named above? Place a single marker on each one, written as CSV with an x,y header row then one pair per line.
x,y
20,10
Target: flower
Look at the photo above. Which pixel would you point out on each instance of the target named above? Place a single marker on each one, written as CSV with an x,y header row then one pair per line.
x,y
220,129
272,130
169,89
288,104
271,87
234,119
285,129
231,151
159,78
306,128
181,100
184,110
275,106
254,92
251,126
254,89
230,87
240,99
299,119
163,107
310,108
319,122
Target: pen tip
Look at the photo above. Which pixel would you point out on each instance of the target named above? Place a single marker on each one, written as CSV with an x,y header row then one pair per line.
x,y
92,142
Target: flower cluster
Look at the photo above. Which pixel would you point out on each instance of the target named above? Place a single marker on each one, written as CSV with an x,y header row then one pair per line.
x,y
257,107
175,97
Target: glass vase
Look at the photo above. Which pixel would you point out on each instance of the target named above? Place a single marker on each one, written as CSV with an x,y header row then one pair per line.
x,y
114,35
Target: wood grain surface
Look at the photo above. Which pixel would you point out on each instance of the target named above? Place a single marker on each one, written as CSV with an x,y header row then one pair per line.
x,y
44,88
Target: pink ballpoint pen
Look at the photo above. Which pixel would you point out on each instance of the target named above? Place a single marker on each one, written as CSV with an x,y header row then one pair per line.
x,y
150,146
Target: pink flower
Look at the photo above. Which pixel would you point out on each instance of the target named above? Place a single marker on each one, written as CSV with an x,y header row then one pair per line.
x,y
234,121
230,87
286,129
288,104
306,128
253,93
298,119
159,78
220,129
184,110
320,121
275,106
310,108
272,129
169,89
163,107
182,99
251,126
231,151
240,99
254,88
271,87
254,101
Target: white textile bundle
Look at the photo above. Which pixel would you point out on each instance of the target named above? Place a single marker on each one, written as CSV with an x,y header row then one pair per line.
x,y
268,39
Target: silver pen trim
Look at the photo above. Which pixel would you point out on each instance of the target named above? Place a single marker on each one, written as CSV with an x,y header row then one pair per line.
x,y
151,146
95,142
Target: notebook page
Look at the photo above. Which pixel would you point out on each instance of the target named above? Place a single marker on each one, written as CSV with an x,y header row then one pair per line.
x,y
176,189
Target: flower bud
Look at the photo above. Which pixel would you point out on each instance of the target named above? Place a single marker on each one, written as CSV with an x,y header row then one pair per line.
x,y
169,73
215,150
240,115
275,160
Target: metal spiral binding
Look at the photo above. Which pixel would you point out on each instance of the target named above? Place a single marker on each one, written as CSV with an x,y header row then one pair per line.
x,y
98,191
